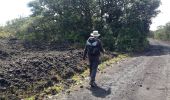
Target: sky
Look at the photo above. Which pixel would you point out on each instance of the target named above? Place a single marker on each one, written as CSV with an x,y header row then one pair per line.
x,y
10,9
163,17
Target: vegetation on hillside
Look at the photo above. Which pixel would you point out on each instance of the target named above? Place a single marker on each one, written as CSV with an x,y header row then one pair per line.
x,y
123,24
162,33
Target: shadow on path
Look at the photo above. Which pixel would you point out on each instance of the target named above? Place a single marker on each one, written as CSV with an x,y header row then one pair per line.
x,y
100,92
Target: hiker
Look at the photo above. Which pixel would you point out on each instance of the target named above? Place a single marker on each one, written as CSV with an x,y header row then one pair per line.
x,y
93,48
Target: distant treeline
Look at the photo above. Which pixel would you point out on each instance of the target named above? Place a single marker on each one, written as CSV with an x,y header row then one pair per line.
x,y
162,33
123,24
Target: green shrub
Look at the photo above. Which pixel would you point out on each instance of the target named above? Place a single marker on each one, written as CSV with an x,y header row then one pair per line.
x,y
130,39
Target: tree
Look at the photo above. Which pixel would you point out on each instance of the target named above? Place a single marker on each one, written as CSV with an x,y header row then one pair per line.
x,y
163,32
125,22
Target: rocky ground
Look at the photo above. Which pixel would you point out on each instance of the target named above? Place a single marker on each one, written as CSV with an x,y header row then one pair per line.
x,y
26,69
141,77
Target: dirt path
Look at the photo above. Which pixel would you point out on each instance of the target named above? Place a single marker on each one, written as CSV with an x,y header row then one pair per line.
x,y
144,77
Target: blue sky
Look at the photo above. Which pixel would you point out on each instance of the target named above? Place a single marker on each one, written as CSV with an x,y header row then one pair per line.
x,y
11,9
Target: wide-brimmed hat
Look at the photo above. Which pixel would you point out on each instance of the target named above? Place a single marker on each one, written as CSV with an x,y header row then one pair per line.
x,y
95,34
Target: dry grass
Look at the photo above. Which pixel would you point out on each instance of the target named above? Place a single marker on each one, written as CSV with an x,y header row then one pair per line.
x,y
5,34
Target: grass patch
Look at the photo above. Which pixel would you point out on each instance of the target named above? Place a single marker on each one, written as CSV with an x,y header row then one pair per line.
x,y
5,34
114,60
30,98
49,91
78,78
54,89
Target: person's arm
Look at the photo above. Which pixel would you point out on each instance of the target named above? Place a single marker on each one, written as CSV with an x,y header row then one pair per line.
x,y
101,47
85,53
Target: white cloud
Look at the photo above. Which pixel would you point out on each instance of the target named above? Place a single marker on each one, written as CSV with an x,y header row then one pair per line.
x,y
10,9
163,17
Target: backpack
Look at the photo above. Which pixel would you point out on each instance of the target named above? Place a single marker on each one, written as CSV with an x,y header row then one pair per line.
x,y
93,48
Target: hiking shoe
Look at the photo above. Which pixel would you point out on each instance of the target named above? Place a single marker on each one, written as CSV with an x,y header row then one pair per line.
x,y
93,84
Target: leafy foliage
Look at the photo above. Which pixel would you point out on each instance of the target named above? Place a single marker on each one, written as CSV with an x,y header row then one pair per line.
x,y
163,32
123,24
